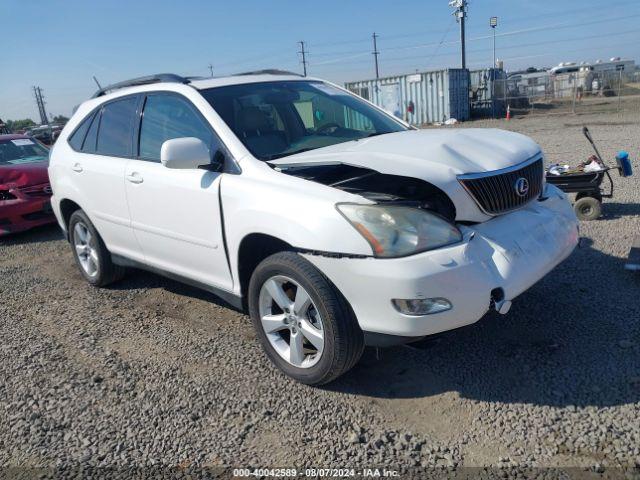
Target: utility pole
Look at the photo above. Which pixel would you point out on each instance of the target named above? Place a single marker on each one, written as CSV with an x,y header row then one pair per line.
x,y
304,57
210,70
40,101
460,13
376,53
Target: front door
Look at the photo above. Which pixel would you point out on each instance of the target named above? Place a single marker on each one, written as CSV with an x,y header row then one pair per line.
x,y
175,214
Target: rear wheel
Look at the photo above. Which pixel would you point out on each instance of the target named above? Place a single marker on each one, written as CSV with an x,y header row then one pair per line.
x,y
304,325
90,253
588,208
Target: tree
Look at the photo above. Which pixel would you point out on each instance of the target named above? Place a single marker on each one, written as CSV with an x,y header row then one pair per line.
x,y
61,119
14,125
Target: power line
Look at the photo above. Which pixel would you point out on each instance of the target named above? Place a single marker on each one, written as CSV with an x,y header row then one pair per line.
x,y
398,69
266,58
444,37
505,19
395,60
576,50
484,37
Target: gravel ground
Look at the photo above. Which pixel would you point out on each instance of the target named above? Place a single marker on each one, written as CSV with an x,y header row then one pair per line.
x,y
154,373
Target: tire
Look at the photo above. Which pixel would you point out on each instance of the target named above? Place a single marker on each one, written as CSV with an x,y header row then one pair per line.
x,y
343,341
588,208
94,263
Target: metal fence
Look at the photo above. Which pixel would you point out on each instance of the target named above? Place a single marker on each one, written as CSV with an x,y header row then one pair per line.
x,y
578,93
428,97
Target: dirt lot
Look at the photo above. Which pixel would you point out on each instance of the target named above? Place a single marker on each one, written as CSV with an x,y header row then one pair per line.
x,y
150,372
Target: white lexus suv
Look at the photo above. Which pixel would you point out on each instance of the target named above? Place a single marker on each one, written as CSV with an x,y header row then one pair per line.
x,y
334,224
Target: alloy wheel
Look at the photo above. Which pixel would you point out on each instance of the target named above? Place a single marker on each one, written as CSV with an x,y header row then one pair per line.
x,y
86,249
291,321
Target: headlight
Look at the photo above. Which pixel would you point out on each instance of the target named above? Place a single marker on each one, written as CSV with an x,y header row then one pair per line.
x,y
397,231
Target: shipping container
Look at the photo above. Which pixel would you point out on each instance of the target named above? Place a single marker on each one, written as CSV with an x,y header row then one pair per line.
x,y
420,98
488,96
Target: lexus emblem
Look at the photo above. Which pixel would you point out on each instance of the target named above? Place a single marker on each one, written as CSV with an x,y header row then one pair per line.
x,y
521,186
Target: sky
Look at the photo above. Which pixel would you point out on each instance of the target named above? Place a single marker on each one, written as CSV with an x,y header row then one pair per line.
x,y
59,45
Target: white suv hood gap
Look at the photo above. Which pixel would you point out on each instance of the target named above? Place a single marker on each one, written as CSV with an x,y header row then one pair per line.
x,y
425,153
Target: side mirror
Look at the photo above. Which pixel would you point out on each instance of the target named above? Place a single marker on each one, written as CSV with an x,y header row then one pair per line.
x,y
184,153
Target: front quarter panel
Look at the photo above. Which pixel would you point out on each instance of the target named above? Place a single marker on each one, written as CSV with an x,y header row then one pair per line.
x,y
297,211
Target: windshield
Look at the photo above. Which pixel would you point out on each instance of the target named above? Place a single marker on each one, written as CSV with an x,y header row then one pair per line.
x,y
22,150
276,119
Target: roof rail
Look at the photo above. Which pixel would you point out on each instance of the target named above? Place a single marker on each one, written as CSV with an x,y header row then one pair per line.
x,y
149,79
269,71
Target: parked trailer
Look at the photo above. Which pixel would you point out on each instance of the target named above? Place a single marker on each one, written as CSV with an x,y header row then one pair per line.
x,y
420,98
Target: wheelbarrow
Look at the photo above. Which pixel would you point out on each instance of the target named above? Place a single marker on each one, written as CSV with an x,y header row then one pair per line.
x,y
588,185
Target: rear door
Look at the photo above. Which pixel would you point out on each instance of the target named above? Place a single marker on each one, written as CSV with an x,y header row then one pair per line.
x,y
176,213
105,141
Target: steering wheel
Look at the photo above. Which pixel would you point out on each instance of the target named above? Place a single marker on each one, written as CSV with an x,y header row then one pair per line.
x,y
327,126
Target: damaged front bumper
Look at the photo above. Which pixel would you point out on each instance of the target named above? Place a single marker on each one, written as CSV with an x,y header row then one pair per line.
x,y
496,262
23,213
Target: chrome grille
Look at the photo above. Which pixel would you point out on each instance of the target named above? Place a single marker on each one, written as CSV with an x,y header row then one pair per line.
x,y
504,190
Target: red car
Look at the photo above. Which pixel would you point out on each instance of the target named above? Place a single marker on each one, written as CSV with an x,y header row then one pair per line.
x,y
24,184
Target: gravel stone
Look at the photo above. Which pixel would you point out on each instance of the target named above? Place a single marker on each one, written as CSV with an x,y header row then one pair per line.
x,y
151,374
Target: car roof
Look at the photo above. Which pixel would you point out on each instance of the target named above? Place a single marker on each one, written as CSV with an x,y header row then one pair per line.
x,y
175,83
12,136
202,84
151,82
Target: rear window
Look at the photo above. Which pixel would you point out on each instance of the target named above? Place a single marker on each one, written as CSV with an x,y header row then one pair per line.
x,y
89,144
77,137
116,126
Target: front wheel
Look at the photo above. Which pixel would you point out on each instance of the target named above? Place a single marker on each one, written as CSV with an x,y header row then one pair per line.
x,y
304,325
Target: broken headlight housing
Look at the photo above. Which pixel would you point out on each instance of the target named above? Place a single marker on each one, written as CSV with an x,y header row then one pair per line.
x,y
398,231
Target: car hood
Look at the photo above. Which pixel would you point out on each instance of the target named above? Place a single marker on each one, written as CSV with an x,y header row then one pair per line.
x,y
436,156
426,153
24,174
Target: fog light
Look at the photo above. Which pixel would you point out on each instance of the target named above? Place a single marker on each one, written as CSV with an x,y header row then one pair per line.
x,y
421,306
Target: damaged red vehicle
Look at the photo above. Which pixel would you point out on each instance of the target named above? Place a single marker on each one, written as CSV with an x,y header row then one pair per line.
x,y
25,191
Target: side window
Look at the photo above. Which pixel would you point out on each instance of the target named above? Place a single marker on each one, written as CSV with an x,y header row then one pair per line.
x,y
78,136
114,136
169,116
89,144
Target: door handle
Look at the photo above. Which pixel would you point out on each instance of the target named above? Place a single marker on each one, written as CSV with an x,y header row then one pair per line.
x,y
135,178
76,167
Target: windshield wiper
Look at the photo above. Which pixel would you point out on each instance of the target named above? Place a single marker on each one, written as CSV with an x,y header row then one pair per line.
x,y
286,154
